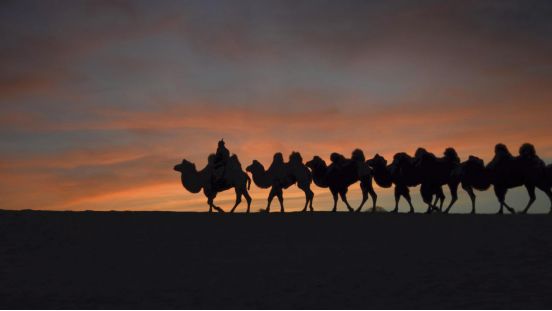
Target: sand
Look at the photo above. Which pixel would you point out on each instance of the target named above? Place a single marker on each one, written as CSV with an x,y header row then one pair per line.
x,y
321,260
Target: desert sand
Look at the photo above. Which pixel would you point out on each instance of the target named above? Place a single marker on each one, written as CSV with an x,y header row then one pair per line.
x,y
319,260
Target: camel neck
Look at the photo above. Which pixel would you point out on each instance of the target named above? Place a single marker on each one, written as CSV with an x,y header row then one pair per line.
x,y
192,180
318,176
382,177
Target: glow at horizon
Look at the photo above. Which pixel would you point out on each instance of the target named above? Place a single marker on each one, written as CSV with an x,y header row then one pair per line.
x,y
99,99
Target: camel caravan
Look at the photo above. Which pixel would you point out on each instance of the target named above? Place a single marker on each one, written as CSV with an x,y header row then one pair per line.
x,y
424,169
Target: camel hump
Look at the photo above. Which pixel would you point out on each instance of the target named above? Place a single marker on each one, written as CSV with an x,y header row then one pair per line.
x,y
295,158
400,156
234,159
476,160
420,152
452,155
358,155
336,158
502,151
527,150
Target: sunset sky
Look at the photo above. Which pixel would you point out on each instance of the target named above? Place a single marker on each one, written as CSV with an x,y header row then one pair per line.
x,y
100,99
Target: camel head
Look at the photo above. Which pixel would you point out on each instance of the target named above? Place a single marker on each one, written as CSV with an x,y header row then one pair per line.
x,y
377,161
255,165
185,166
315,163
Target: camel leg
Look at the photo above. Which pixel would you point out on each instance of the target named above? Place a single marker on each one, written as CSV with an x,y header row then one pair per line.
x,y
406,195
470,192
532,197
238,199
281,200
364,190
211,202
218,209
430,208
441,198
374,197
308,195
427,196
334,195
247,199
436,201
311,198
397,199
343,195
270,197
500,193
306,202
548,192
454,195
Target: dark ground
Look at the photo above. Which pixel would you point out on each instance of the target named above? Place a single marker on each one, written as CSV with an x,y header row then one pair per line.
x,y
321,260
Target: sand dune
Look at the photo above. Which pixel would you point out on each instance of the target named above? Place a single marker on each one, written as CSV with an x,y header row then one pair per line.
x,y
320,260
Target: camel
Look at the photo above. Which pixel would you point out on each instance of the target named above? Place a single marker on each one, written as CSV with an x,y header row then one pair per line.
x,y
234,177
341,174
293,172
436,172
527,170
472,174
387,175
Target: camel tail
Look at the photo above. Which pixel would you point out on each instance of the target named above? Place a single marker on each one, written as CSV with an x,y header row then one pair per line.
x,y
248,182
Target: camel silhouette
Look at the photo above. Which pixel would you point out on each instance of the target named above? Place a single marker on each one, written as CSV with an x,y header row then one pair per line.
x,y
387,175
281,176
472,174
341,174
436,172
527,170
234,177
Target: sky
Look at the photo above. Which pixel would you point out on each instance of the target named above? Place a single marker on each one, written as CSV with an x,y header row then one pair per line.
x,y
100,99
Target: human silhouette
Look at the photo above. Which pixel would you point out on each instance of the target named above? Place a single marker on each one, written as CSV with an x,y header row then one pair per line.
x,y
221,158
234,177
340,175
280,176
527,169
